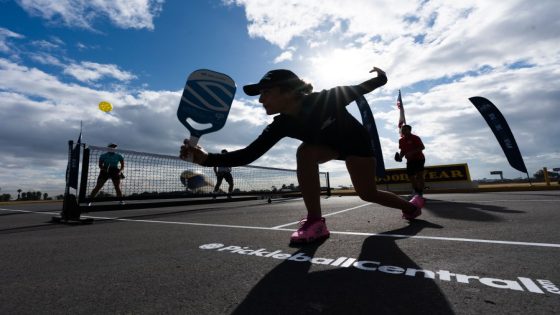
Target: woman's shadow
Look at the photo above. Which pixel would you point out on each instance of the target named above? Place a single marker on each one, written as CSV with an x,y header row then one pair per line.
x,y
291,289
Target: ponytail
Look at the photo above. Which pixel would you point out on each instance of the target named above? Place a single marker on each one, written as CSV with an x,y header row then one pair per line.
x,y
300,87
305,88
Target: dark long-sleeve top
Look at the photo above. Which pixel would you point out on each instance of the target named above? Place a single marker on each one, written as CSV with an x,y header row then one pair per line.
x,y
323,120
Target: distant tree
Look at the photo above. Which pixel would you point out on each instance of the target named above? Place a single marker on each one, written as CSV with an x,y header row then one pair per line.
x,y
31,195
19,194
5,197
539,175
59,197
45,196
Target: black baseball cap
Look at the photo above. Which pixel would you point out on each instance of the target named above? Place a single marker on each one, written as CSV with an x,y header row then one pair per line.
x,y
112,145
271,79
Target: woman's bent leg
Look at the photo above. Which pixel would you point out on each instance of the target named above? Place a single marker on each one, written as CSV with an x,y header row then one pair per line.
x,y
362,174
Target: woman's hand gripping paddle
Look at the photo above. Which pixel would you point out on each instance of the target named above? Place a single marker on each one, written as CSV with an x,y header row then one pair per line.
x,y
206,100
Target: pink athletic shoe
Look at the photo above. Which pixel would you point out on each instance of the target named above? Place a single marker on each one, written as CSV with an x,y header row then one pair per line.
x,y
309,232
418,202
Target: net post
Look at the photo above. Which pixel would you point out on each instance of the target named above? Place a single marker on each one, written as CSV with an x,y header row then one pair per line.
x,y
328,185
84,176
70,207
70,210
65,206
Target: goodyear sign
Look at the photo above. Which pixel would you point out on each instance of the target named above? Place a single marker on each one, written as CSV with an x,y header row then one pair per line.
x,y
437,173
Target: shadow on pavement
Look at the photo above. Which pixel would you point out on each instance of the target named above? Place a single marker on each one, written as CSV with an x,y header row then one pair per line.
x,y
467,211
291,288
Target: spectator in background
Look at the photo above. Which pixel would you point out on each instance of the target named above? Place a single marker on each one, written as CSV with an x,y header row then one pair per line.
x,y
411,148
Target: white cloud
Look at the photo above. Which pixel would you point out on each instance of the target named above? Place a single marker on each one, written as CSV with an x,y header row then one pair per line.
x,y
6,34
52,110
249,112
82,47
91,71
44,44
136,14
279,22
46,59
284,56
406,37
444,51
453,130
438,52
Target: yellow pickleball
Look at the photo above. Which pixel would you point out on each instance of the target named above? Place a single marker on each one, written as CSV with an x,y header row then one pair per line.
x,y
105,106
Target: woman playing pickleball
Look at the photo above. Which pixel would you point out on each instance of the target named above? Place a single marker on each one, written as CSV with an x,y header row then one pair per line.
x,y
327,131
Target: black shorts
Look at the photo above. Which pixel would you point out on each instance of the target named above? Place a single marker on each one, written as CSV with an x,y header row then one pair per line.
x,y
356,143
225,175
112,173
415,166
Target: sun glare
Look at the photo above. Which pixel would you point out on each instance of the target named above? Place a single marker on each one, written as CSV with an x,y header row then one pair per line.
x,y
338,67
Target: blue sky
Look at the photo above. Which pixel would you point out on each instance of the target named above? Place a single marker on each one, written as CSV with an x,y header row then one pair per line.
x,y
59,59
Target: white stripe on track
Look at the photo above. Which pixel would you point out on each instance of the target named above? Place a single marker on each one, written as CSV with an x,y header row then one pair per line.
x,y
454,239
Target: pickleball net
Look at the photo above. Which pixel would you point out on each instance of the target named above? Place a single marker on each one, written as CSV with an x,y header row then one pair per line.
x,y
157,176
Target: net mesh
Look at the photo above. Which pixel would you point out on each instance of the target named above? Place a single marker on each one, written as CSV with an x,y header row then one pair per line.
x,y
155,176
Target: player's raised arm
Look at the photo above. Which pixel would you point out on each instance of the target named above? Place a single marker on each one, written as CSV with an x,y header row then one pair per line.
x,y
373,83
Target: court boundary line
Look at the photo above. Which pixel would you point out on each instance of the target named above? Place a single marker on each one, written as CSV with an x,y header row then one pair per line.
x,y
325,215
431,201
490,201
469,240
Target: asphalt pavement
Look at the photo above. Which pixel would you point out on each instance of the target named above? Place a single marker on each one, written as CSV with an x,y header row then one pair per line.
x,y
478,253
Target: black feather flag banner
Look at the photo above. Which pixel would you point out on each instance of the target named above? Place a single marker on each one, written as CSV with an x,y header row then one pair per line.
x,y
402,119
75,162
369,123
501,130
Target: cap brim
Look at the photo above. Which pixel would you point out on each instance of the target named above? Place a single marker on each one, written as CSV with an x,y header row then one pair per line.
x,y
252,89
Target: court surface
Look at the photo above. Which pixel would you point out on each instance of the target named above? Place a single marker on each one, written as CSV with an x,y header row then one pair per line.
x,y
485,253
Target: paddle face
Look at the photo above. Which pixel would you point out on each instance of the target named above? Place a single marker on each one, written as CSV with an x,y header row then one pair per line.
x,y
206,100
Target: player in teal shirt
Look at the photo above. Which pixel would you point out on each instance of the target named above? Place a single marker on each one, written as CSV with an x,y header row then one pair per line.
x,y
111,165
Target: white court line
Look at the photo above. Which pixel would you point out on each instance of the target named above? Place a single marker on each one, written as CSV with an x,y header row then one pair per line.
x,y
28,211
454,239
428,201
326,215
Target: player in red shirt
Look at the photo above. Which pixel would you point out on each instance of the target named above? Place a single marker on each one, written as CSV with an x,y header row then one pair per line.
x,y
411,147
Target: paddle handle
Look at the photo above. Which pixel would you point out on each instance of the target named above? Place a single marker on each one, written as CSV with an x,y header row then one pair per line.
x,y
193,141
